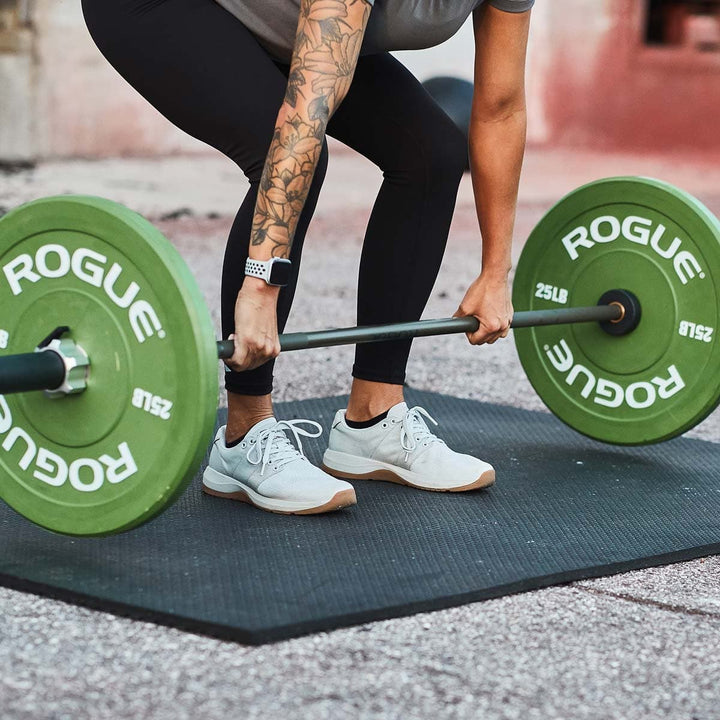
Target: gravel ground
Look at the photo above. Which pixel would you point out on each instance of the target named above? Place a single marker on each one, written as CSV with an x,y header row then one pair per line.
x,y
639,645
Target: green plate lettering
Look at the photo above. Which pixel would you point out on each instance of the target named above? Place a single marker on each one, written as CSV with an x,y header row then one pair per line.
x,y
658,242
119,453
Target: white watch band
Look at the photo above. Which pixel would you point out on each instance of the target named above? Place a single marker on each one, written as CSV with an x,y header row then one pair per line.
x,y
258,268
275,271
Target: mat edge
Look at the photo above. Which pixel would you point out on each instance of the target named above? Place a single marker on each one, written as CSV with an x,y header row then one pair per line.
x,y
331,623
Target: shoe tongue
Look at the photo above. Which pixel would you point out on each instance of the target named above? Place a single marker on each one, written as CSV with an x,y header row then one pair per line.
x,y
398,411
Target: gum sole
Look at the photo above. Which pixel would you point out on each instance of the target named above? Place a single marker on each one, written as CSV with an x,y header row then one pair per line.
x,y
345,498
485,480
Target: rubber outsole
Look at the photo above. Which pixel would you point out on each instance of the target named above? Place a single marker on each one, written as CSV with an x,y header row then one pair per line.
x,y
342,499
485,480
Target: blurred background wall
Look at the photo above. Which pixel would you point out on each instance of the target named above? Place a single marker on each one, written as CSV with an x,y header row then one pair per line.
x,y
616,74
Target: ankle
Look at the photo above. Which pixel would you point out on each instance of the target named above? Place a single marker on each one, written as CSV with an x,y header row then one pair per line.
x,y
368,400
244,412
240,427
369,411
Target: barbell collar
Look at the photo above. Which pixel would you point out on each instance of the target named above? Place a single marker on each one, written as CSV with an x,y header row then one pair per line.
x,y
75,361
631,312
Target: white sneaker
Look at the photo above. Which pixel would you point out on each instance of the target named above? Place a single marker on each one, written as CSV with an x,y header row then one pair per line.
x,y
266,470
402,449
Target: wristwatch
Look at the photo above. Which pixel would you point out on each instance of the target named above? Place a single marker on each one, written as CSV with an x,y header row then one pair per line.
x,y
275,271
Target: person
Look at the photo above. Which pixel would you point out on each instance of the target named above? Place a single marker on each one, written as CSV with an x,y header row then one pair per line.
x,y
264,82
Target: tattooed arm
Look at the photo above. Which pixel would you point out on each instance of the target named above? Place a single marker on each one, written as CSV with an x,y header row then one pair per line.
x,y
327,45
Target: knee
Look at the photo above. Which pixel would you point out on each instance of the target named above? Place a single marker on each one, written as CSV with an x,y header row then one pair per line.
x,y
447,155
438,158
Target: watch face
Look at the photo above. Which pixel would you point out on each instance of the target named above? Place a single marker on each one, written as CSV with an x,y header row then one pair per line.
x,y
280,272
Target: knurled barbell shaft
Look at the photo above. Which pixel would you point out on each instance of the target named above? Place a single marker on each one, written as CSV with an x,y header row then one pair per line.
x,y
46,370
425,328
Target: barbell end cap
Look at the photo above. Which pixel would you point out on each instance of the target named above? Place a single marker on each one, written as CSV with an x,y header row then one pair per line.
x,y
622,312
630,316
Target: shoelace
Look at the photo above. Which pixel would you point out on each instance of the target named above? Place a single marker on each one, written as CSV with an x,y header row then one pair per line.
x,y
415,432
273,447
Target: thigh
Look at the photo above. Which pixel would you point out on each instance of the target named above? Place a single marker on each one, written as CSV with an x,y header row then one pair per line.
x,y
390,118
199,66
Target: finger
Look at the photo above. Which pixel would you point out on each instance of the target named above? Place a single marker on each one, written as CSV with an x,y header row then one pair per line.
x,y
243,357
257,356
252,362
231,360
236,364
479,338
493,337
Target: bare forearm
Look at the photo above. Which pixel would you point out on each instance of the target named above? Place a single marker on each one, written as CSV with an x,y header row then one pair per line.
x,y
327,45
496,154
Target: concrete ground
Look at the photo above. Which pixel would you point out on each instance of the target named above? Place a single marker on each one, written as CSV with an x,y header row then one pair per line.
x,y
639,645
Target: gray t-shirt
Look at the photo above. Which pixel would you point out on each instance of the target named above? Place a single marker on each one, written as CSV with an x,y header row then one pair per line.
x,y
393,24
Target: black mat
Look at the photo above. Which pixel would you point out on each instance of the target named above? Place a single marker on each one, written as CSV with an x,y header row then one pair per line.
x,y
564,508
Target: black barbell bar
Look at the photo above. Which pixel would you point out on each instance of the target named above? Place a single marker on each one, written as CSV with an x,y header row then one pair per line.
x,y
46,370
426,328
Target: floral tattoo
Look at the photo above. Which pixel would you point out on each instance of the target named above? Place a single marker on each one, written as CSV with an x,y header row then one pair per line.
x,y
327,45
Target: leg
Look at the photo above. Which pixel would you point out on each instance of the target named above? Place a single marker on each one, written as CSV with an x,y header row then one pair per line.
x,y
422,156
389,118
249,399
202,69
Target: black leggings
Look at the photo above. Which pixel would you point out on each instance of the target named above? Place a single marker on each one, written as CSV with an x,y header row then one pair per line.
x,y
206,73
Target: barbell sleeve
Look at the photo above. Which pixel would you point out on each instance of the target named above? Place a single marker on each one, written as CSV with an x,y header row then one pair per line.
x,y
424,328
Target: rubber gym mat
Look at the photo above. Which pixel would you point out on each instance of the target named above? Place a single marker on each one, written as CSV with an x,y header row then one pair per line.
x,y
564,508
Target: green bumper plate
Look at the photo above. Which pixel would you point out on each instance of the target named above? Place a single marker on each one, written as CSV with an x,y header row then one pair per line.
x,y
116,455
663,245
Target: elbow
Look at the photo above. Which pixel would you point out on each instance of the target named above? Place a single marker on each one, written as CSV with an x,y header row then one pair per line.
x,y
498,107
322,107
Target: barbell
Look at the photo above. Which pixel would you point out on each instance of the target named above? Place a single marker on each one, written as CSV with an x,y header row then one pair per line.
x,y
105,420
